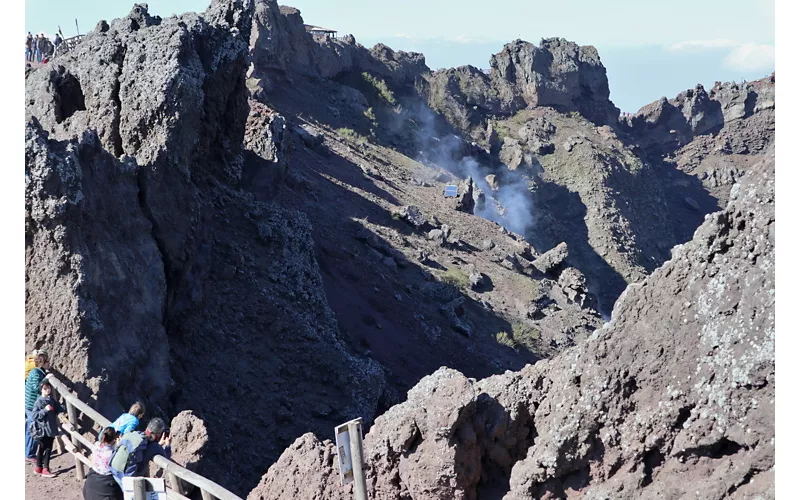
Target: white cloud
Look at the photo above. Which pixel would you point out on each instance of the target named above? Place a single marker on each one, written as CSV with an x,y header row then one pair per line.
x,y
692,45
741,56
751,57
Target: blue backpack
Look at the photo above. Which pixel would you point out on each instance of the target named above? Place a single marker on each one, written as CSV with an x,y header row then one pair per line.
x,y
128,455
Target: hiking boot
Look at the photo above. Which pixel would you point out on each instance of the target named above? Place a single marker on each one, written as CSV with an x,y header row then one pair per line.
x,y
46,473
37,470
30,460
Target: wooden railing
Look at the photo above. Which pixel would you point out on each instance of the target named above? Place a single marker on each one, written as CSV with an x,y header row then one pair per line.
x,y
173,472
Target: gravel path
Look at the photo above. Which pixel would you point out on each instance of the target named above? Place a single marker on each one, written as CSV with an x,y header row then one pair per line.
x,y
65,486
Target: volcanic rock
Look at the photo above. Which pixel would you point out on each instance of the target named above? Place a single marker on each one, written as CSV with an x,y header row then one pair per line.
x,y
412,215
673,398
550,260
133,162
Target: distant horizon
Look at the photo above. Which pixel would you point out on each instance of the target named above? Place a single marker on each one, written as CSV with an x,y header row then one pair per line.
x,y
643,62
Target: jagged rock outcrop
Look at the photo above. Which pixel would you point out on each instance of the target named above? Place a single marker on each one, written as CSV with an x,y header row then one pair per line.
x,y
674,397
149,274
558,74
94,276
668,124
266,145
701,143
280,47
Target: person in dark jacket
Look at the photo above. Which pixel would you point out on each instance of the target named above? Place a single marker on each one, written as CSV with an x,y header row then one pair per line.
x,y
29,47
56,42
45,413
32,391
41,47
158,441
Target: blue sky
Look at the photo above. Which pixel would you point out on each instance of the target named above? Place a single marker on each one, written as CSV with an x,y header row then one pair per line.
x,y
650,48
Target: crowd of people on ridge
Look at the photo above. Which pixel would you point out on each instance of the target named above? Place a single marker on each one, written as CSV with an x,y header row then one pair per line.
x,y
39,48
120,449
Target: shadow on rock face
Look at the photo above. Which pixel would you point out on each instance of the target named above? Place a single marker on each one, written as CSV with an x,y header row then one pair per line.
x,y
561,217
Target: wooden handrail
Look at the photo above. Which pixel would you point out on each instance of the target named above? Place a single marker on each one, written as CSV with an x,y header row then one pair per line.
x,y
83,407
208,488
171,467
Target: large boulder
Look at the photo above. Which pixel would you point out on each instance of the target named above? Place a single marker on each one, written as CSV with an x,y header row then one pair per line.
x,y
551,260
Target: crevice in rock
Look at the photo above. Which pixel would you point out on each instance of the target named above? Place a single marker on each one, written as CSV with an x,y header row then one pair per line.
x,y
722,448
683,415
116,137
169,269
746,479
68,95
652,460
629,387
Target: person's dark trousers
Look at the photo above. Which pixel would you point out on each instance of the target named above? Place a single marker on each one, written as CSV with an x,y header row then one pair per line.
x,y
44,451
98,487
30,443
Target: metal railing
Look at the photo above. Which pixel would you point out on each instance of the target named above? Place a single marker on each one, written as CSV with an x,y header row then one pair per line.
x,y
68,44
173,472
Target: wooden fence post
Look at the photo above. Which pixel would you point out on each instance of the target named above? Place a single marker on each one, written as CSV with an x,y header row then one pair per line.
x,y
139,488
173,482
58,444
73,420
207,496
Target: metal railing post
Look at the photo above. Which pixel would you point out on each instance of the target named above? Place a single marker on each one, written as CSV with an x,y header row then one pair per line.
x,y
356,451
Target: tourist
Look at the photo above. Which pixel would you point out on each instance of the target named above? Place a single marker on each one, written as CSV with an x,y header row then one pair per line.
x,y
100,484
56,42
45,420
128,422
29,47
41,47
136,449
32,383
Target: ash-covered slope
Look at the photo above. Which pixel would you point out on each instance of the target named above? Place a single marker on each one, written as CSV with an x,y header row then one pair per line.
x,y
444,287
149,273
674,398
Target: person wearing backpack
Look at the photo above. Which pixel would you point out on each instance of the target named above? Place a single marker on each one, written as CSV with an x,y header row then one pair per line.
x,y
136,449
44,426
33,382
100,484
